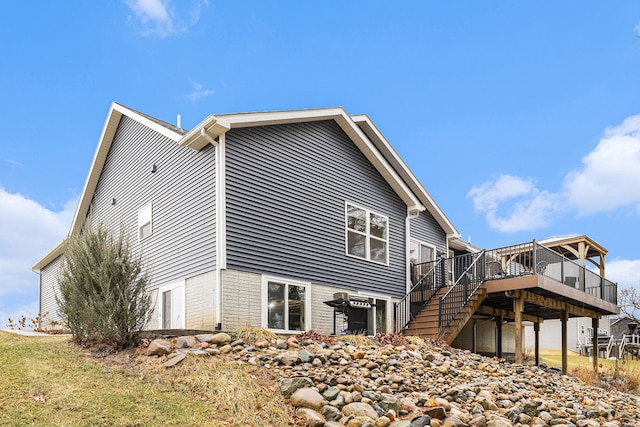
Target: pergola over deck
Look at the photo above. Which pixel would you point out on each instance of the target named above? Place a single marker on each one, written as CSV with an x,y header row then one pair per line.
x,y
580,248
537,281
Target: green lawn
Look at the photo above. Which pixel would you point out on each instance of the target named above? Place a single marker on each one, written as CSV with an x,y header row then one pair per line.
x,y
582,367
583,361
46,381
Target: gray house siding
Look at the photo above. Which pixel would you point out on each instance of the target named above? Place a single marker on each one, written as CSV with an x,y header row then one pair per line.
x,y
427,230
48,291
182,193
286,188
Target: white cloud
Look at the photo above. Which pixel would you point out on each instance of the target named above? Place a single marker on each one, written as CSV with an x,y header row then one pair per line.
x,y
607,180
160,18
198,92
13,162
530,209
196,10
625,272
487,196
610,174
29,232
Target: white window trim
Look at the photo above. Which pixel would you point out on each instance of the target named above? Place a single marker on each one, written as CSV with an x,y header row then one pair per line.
x,y
141,210
421,243
389,315
367,234
164,288
265,301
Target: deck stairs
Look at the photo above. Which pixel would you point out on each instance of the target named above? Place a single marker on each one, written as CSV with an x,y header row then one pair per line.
x,y
426,325
438,307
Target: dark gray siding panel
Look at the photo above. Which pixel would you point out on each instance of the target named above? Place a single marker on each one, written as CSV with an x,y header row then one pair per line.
x,y
49,290
286,191
182,192
426,229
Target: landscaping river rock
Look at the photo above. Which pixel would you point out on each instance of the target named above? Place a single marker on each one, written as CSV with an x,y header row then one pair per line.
x,y
375,385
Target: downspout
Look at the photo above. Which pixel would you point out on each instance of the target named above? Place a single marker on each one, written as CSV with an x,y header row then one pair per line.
x,y
220,221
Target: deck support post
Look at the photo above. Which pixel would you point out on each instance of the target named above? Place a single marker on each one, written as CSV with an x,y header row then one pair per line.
x,y
564,316
595,324
499,322
536,331
518,308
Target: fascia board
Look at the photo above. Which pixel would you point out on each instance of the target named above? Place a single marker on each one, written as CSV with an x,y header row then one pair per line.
x,y
386,148
145,121
104,145
49,257
192,138
242,120
378,160
99,158
97,163
216,125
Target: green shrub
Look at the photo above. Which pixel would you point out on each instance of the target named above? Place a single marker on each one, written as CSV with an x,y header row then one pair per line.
x,y
103,288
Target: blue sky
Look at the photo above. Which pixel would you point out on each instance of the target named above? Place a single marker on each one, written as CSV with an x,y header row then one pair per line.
x,y
522,119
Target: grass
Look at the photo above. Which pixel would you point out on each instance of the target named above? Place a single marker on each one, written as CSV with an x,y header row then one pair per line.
x,y
253,334
48,381
623,375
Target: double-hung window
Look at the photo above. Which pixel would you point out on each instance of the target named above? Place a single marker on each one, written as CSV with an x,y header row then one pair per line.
x,y
367,234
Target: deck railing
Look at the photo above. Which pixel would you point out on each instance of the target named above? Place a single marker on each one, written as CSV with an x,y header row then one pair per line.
x,y
534,258
428,278
472,270
466,273
629,344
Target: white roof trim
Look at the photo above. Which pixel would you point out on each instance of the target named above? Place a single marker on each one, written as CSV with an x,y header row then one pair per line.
x,y
145,121
215,125
413,182
116,111
49,257
104,144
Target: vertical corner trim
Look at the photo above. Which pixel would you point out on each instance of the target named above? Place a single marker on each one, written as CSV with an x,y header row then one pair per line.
x,y
221,223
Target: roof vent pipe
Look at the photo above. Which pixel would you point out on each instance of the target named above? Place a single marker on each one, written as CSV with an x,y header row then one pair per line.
x,y
179,121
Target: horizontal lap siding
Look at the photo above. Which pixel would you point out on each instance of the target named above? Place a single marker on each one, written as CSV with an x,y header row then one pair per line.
x,y
286,189
426,229
182,192
48,291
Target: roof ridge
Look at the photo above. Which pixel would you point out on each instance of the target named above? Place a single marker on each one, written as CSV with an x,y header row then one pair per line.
x,y
162,123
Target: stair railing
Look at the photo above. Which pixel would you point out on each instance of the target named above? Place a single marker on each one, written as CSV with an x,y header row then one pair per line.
x,y
420,294
610,346
465,286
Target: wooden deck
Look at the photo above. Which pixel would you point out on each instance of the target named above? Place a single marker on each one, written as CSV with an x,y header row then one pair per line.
x,y
545,298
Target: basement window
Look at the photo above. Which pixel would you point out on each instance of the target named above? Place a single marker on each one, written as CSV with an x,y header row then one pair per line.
x,y
286,305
